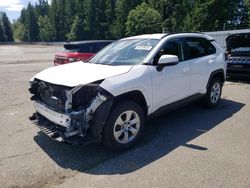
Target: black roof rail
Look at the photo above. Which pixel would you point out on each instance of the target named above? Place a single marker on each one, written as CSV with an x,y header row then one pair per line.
x,y
187,32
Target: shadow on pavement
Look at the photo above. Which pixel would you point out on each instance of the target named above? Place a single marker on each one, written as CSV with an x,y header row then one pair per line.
x,y
162,135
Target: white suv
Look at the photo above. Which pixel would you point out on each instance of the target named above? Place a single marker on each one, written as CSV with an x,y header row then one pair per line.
x,y
109,98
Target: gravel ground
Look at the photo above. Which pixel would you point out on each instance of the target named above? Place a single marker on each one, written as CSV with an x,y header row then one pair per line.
x,y
191,147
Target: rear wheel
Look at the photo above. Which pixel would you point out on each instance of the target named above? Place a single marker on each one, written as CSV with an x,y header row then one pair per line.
x,y
213,94
124,126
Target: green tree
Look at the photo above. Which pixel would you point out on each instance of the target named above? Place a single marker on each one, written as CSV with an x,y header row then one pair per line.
x,y
76,30
109,13
22,16
31,24
90,18
247,4
123,7
20,32
41,8
143,19
7,28
46,29
70,13
202,16
100,19
2,37
53,16
62,28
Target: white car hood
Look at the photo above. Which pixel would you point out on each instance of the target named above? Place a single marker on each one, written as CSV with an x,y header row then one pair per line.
x,y
80,73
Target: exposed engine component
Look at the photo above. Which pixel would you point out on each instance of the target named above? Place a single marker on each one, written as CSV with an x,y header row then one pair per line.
x,y
77,105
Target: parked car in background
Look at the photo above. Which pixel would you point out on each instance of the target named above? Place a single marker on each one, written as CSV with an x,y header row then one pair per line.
x,y
238,55
79,51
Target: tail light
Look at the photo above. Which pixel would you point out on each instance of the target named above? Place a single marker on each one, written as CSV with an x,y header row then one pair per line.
x,y
60,61
227,55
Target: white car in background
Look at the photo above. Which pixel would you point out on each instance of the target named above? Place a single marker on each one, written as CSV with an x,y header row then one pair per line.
x,y
109,98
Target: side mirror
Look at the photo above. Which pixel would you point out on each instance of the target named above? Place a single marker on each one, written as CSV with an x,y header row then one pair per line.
x,y
167,60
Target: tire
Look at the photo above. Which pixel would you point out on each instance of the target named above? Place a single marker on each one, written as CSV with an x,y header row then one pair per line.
x,y
124,126
213,94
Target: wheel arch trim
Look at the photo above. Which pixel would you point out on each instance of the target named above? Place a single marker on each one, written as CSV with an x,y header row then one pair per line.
x,y
218,72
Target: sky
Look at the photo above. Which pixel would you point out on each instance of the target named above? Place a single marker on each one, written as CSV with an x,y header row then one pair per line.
x,y
13,7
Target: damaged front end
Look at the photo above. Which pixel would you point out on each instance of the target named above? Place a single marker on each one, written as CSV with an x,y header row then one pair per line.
x,y
65,113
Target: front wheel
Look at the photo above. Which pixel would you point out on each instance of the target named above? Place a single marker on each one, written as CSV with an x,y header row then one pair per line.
x,y
124,126
213,94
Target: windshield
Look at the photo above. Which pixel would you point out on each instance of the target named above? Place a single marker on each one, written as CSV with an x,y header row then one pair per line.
x,y
125,52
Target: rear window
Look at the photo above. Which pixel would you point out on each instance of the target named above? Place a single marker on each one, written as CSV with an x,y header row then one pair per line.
x,y
238,42
93,47
199,47
85,48
71,48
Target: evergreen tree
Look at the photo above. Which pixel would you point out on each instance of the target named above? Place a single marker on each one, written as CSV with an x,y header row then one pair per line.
x,y
110,17
143,19
31,24
90,18
106,19
2,37
46,29
100,20
53,16
62,28
70,13
247,5
41,8
76,30
123,7
22,16
7,28
20,32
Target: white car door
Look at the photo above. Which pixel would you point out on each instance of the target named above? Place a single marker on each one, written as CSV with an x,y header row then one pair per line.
x,y
172,83
201,55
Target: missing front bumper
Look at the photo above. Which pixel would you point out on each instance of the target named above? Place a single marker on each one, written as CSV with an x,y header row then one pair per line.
x,y
53,116
57,132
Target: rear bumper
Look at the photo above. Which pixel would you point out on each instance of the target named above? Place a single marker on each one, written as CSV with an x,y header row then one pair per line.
x,y
238,70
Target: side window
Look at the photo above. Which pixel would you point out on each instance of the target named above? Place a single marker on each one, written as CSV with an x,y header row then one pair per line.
x,y
211,49
198,47
172,47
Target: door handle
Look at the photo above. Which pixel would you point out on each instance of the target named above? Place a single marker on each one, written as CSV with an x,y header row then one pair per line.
x,y
185,70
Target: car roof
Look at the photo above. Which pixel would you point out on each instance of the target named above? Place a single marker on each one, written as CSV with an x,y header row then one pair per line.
x,y
163,35
147,36
88,42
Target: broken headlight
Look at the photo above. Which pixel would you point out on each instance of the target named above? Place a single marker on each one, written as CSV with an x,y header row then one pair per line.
x,y
83,97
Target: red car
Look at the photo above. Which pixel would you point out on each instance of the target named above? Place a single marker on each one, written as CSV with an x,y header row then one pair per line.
x,y
79,51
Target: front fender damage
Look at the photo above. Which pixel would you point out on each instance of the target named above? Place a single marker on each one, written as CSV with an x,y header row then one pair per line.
x,y
80,119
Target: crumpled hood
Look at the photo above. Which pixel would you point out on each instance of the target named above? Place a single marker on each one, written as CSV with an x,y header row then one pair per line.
x,y
79,73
